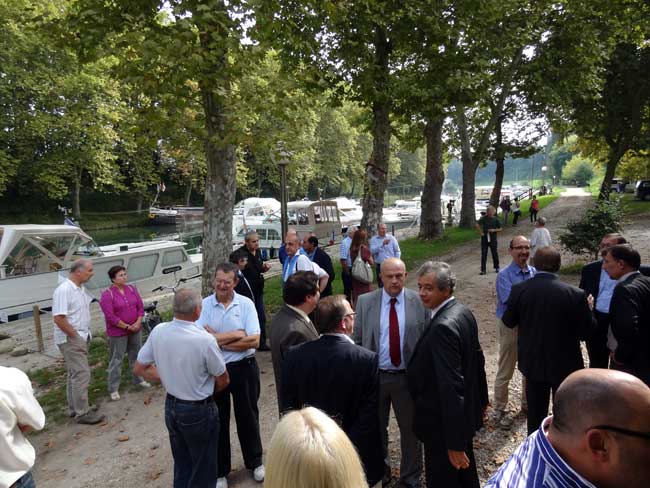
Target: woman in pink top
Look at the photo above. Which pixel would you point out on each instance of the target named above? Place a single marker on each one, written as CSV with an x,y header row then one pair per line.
x,y
123,309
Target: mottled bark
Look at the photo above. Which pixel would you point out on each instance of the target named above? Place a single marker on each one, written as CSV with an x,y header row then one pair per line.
x,y
375,177
499,158
431,223
613,157
467,207
220,185
76,192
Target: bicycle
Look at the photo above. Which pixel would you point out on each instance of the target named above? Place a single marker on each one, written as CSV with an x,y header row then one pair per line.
x,y
151,315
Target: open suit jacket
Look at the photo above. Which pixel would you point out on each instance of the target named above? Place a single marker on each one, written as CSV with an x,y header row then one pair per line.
x,y
366,324
322,259
446,377
552,317
287,329
590,277
630,319
341,379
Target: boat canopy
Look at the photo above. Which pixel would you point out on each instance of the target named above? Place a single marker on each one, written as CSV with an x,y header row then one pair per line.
x,y
33,248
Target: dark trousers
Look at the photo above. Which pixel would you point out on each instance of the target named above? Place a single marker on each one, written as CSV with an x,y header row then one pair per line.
x,y
346,278
597,342
515,217
441,474
193,431
538,394
493,249
261,316
380,284
533,215
244,388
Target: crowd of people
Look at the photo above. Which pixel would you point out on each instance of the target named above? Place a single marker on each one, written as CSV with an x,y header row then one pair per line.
x,y
341,362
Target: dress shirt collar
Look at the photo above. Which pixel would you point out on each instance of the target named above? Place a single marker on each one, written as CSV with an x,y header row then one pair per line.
x,y
216,303
548,273
515,269
338,334
553,459
385,297
627,275
439,307
185,323
77,287
299,312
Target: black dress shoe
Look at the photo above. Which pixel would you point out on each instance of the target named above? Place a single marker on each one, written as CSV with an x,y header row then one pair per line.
x,y
482,273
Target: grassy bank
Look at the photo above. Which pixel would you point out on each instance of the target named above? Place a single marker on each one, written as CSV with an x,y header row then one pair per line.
x,y
633,206
50,382
88,222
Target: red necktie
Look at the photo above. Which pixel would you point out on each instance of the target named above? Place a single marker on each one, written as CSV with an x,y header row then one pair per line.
x,y
393,335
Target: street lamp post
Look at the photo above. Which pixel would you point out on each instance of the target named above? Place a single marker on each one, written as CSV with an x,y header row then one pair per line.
x,y
282,164
544,168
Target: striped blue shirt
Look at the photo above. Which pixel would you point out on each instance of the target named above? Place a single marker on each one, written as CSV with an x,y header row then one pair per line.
x,y
535,464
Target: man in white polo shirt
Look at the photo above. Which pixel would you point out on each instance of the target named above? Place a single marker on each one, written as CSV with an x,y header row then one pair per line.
x,y
19,413
71,312
232,319
188,362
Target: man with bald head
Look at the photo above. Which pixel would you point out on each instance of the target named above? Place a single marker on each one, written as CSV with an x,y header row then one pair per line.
x,y
598,436
382,247
298,261
71,312
517,271
389,321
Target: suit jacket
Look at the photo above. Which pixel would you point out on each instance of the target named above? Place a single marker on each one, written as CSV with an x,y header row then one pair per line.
x,y
322,259
341,379
446,378
630,321
244,289
287,329
253,271
366,328
590,277
552,317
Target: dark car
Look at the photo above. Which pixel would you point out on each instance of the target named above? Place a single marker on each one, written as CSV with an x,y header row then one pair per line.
x,y
642,189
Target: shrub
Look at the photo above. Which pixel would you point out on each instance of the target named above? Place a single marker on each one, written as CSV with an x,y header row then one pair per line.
x,y
584,235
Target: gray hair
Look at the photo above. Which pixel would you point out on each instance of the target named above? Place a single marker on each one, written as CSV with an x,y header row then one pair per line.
x,y
186,301
445,277
249,234
541,221
79,264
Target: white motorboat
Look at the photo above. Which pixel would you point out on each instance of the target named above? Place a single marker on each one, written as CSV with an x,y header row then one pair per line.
x,y
252,211
403,211
35,258
350,212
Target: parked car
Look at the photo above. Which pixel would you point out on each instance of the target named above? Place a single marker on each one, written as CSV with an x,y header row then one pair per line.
x,y
618,185
642,189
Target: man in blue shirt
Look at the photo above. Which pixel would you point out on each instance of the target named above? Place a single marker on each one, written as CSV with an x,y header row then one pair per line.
x,y
232,320
346,262
382,247
516,272
598,436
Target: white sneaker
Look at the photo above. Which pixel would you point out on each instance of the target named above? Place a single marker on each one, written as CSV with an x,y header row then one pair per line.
x,y
115,396
144,384
258,473
222,483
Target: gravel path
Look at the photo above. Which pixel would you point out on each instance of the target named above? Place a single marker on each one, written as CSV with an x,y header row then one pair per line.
x,y
131,448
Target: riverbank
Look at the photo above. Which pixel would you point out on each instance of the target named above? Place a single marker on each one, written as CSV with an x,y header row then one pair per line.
x,y
89,221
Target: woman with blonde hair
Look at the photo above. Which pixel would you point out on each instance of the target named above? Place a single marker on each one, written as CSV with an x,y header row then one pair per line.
x,y
308,450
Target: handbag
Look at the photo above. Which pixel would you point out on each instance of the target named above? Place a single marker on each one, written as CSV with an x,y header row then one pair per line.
x,y
361,270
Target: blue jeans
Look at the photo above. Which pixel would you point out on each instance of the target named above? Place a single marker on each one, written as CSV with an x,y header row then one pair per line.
x,y
26,481
193,433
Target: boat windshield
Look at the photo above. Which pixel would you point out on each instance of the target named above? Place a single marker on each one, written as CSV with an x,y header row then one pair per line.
x,y
42,253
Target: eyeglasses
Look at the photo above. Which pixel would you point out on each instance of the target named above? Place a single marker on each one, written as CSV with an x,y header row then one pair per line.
x,y
522,248
620,430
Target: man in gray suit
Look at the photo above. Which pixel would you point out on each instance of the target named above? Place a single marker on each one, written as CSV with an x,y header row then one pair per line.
x,y
291,325
389,322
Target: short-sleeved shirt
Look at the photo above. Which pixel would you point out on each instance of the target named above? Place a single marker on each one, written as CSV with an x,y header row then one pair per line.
x,y
489,223
187,359
344,250
240,315
297,262
74,302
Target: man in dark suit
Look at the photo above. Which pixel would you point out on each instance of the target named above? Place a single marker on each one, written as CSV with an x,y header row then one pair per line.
x,y
552,317
629,311
255,267
341,378
243,287
595,281
291,325
322,259
389,322
446,376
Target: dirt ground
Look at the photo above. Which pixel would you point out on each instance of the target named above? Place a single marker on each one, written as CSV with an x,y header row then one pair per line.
x,y
131,448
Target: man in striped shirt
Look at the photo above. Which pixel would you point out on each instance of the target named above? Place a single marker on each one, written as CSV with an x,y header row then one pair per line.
x,y
598,436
